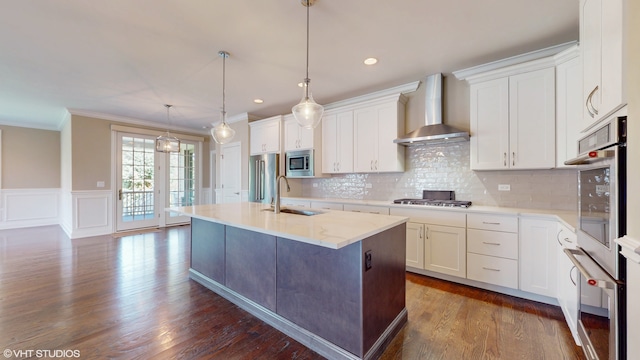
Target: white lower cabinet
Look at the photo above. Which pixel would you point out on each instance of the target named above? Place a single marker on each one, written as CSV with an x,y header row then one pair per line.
x,y
326,205
492,251
445,250
371,209
567,280
436,240
538,250
415,245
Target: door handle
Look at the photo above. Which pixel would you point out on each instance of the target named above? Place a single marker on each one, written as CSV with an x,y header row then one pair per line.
x,y
601,283
120,194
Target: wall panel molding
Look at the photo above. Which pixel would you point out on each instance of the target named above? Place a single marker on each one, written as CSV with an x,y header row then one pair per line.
x,y
29,207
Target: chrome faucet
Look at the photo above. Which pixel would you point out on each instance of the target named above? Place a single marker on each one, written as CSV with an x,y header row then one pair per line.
x,y
276,208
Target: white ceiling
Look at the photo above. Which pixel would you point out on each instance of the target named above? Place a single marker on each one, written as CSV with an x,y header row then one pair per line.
x,y
128,58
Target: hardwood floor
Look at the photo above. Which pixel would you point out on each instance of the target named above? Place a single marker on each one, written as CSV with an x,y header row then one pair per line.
x,y
131,298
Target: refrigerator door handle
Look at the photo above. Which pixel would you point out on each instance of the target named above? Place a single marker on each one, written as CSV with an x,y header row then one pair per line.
x,y
256,183
262,175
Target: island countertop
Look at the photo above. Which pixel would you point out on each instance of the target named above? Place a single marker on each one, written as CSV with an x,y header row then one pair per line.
x,y
331,229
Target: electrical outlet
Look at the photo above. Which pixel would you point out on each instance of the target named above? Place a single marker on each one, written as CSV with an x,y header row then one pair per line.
x,y
315,185
368,186
367,260
100,184
504,187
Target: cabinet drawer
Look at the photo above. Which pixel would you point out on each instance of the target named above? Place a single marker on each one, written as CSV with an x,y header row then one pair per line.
x,y
367,209
435,217
493,243
326,205
492,270
493,222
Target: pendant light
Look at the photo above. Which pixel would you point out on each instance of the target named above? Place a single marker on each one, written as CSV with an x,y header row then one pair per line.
x,y
307,113
167,143
222,133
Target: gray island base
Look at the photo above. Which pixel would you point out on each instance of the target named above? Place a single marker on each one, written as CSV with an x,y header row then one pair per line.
x,y
344,303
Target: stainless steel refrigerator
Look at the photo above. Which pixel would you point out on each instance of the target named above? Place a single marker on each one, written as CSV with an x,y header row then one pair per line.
x,y
263,173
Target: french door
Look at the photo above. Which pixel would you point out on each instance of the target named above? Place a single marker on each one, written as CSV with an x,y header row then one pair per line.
x,y
149,181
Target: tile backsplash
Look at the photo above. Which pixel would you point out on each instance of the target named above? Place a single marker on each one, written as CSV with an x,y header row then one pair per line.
x,y
446,167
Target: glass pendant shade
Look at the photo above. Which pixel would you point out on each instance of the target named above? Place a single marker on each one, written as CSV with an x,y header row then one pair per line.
x,y
222,133
308,113
167,143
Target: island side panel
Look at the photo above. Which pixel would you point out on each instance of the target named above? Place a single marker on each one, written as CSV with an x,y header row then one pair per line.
x,y
384,284
251,265
207,249
319,289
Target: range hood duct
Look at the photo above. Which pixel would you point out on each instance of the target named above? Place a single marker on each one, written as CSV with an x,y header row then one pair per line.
x,y
434,131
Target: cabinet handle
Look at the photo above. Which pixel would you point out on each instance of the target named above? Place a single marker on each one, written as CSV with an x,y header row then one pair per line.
x,y
567,240
490,223
491,269
374,212
513,159
419,234
504,159
376,164
558,237
426,233
571,277
371,165
589,103
490,243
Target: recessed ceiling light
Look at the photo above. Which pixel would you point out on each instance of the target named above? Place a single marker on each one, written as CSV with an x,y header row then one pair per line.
x,y
370,61
258,101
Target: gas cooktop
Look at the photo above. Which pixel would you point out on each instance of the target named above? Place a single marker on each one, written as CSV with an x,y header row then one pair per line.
x,y
436,198
432,202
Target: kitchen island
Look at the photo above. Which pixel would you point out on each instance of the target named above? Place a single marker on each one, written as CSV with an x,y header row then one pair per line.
x,y
334,281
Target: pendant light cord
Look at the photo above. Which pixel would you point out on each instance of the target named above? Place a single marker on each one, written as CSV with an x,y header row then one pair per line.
x,y
224,60
307,80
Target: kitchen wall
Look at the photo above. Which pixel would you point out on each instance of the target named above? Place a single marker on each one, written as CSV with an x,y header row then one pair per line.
x,y
30,158
446,167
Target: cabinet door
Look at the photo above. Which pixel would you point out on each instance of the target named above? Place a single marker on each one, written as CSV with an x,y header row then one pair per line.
x,y
445,250
532,121
365,140
305,138
329,144
538,261
569,106
612,21
489,143
271,136
344,138
568,277
415,245
291,134
256,144
390,157
590,37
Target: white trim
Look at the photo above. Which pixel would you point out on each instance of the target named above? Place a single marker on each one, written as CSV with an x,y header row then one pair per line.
x,y
135,130
566,55
630,248
470,73
0,158
239,117
29,207
91,213
358,100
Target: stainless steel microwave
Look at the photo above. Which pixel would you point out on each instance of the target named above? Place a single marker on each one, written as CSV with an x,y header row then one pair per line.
x,y
299,163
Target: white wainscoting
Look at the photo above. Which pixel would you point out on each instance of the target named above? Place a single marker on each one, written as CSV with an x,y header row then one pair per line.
x,y
206,196
91,213
29,207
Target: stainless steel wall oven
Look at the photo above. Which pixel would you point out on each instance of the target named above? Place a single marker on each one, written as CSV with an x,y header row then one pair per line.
x,y
601,219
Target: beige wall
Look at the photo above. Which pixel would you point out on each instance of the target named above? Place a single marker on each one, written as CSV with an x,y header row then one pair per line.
x,y
30,158
91,153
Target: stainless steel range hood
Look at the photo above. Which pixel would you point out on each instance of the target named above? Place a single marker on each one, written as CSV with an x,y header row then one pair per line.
x,y
434,131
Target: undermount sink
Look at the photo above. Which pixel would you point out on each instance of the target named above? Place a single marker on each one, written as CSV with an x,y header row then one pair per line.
x,y
297,211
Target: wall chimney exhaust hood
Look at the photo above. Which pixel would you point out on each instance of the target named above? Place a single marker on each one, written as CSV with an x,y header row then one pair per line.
x,y
434,131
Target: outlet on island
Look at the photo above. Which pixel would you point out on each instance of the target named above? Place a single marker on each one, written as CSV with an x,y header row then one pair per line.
x,y
367,260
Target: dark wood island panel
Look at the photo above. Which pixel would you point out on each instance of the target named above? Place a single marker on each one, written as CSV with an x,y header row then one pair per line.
x,y
328,299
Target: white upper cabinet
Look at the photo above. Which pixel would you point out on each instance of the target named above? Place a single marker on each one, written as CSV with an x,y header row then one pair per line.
x,y
513,121
337,142
265,135
297,137
375,128
602,44
569,105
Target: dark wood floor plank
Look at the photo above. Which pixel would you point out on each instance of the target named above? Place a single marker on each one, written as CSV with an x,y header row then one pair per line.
x,y
131,298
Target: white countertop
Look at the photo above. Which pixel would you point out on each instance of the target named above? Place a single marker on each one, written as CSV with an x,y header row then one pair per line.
x,y
332,229
568,218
